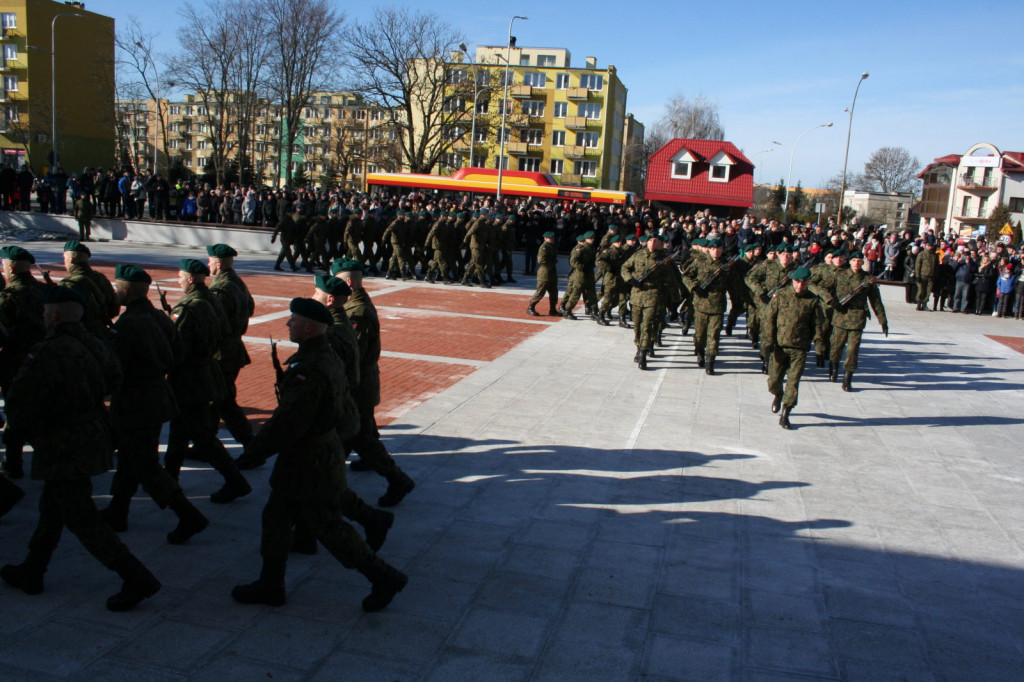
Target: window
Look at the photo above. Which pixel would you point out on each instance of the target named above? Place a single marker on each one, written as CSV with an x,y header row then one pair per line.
x,y
10,52
592,81
325,99
456,76
587,169
561,109
531,164
483,106
361,115
501,162
681,169
589,110
524,60
545,60
188,144
11,114
982,206
589,140
175,109
309,113
173,144
719,173
511,78
535,79
202,111
203,144
558,138
483,78
562,81
454,104
454,133
10,83
451,160
534,108
532,136
188,110
479,161
556,166
10,20
375,115
327,112
188,162
1016,203
966,211
481,135
504,106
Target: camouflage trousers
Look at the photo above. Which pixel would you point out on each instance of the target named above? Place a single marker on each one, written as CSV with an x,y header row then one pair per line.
x,y
849,339
646,315
786,365
580,284
707,329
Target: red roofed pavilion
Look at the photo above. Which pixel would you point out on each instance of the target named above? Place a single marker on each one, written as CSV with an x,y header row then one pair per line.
x,y
695,175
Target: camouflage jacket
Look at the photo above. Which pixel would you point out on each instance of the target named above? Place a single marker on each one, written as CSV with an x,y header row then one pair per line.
x,y
363,316
854,314
147,344
714,300
792,320
235,299
196,377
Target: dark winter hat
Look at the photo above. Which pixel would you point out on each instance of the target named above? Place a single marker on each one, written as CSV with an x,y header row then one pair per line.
x,y
346,265
801,274
310,309
60,294
333,286
16,253
220,251
131,273
193,266
77,247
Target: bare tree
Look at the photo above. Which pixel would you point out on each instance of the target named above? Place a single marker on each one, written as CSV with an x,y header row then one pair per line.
x,y
397,60
892,169
695,119
141,70
303,58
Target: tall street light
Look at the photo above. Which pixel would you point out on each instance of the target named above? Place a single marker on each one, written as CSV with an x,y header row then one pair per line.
x,y
846,156
53,81
789,178
763,151
504,106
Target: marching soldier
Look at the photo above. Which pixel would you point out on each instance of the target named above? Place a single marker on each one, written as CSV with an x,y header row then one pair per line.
x,y
821,284
612,259
851,316
57,402
792,321
288,231
708,279
547,276
308,473
147,344
647,275
581,279
478,237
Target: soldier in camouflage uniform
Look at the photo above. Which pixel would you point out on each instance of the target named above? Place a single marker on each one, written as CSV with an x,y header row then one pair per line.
x,y
478,237
147,344
354,229
849,319
709,304
21,313
792,321
772,277
611,260
308,474
547,276
646,295
57,402
93,284
399,234
581,278
288,231
507,244
231,356
198,382
373,455
821,284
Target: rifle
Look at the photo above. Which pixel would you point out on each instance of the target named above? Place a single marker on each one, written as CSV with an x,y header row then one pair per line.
x,y
775,289
722,269
857,289
163,300
46,275
278,370
650,271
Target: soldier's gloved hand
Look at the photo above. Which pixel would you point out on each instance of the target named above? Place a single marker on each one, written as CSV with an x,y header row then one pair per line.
x,y
163,300
885,330
700,291
764,298
273,239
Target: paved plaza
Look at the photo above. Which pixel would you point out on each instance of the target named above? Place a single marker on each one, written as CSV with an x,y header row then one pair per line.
x,y
575,518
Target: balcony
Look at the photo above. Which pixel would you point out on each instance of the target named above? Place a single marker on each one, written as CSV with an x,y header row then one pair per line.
x,y
576,122
14,64
576,151
519,121
460,146
972,215
571,179
521,91
969,184
517,148
577,94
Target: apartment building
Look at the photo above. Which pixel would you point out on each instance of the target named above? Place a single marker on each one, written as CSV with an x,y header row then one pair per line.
x,y
984,178
937,182
559,119
892,209
83,82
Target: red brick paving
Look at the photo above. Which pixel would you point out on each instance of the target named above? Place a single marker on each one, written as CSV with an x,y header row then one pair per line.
x,y
1014,342
405,382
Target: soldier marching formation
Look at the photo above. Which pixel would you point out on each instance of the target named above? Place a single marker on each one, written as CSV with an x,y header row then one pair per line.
x,y
63,355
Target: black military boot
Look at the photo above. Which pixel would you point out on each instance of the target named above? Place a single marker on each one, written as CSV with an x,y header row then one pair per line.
x,y
138,584
27,576
729,326
532,310
819,360
399,485
510,280
268,589
432,276
642,362
10,495
554,312
387,581
700,359
190,520
833,372
235,485
376,523
848,382
784,417
764,365
116,513
622,322
568,315
709,368
776,404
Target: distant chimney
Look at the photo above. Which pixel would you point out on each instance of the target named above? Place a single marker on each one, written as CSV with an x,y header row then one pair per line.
x,y
591,62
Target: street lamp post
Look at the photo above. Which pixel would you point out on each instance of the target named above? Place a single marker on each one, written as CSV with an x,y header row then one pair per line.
x,y
477,90
792,153
757,154
53,81
846,156
504,106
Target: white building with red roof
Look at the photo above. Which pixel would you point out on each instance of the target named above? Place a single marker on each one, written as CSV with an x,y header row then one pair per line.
x,y
984,178
695,175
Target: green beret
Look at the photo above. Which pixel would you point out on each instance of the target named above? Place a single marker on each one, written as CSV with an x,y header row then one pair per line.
x,y
131,273
16,253
714,243
58,294
346,265
793,248
580,239
613,227
855,254
332,285
631,237
548,235
77,247
220,251
643,238
310,309
700,241
589,234
801,274
193,266
614,239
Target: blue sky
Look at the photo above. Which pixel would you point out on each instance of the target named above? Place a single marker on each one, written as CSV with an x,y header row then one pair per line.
x,y
943,76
